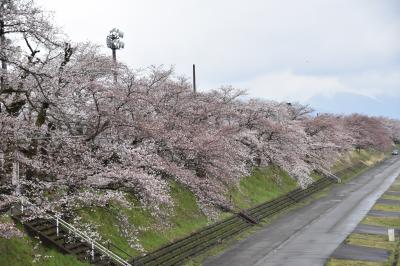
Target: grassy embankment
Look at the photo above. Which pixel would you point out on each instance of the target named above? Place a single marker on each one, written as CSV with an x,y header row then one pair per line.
x,y
186,218
368,158
262,185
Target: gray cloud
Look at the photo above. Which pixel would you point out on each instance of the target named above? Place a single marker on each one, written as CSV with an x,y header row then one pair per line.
x,y
278,49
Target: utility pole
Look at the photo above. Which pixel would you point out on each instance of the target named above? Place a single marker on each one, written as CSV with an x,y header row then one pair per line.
x,y
3,62
3,81
114,56
194,78
114,43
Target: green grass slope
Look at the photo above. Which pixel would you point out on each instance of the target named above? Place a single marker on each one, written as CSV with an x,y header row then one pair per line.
x,y
261,186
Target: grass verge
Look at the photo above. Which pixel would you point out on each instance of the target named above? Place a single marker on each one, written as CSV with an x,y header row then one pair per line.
x,y
382,221
395,187
372,241
384,207
392,197
336,262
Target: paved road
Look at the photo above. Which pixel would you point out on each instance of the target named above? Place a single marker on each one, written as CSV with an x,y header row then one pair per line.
x,y
309,235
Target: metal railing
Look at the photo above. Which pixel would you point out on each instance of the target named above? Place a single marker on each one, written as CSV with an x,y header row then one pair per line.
x,y
94,245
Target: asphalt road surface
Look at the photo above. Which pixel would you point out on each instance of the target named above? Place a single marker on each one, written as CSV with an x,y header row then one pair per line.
x,y
309,235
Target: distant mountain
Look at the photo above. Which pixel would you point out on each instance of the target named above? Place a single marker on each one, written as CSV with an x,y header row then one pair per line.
x,y
348,103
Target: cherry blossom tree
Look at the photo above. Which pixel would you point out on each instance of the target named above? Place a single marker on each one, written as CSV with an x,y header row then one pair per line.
x,y
82,139
368,132
393,127
327,138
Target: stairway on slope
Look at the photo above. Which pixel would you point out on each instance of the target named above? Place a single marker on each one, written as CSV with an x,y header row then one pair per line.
x,y
46,229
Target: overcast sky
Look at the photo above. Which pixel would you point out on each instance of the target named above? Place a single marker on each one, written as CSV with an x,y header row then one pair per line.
x,y
311,51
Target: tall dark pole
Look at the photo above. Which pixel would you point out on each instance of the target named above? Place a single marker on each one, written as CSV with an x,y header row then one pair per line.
x,y
2,45
114,43
194,78
114,57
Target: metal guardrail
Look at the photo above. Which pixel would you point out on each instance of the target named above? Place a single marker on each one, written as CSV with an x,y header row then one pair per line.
x,y
95,246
